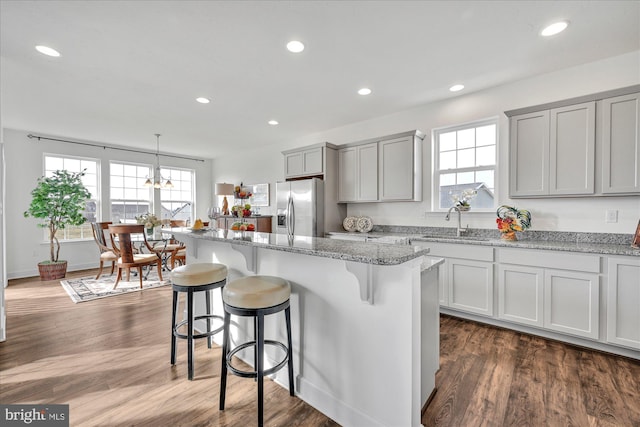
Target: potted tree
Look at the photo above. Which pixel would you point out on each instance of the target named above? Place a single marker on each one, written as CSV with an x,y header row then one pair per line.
x,y
59,201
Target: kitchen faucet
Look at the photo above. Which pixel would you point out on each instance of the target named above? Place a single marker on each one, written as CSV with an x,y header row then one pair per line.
x,y
459,230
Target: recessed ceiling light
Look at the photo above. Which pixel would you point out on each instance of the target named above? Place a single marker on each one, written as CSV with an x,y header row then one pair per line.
x,y
47,51
456,88
273,122
203,100
364,91
554,28
295,46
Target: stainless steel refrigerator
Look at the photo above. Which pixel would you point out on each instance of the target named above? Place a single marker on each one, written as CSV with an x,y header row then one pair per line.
x,y
300,207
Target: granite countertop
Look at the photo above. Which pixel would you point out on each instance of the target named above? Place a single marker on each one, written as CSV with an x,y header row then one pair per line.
x,y
596,243
367,253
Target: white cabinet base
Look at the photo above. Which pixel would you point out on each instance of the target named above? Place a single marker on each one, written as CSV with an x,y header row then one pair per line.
x,y
471,286
623,314
520,294
572,303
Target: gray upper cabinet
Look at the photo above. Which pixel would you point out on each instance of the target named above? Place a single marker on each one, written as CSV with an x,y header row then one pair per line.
x,y
396,169
572,146
358,173
563,148
552,152
303,162
383,169
621,144
529,154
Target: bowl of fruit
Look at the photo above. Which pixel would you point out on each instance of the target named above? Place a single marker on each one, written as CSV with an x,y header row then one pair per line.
x,y
241,192
243,226
241,211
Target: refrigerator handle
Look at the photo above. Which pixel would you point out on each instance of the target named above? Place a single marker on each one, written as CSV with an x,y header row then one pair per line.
x,y
291,217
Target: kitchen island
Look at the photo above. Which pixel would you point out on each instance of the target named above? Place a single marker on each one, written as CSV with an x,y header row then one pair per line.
x,y
364,317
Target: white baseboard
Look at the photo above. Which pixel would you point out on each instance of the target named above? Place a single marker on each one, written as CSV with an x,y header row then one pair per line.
x,y
35,273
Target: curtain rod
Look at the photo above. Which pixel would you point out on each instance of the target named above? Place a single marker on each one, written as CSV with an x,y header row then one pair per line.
x,y
104,147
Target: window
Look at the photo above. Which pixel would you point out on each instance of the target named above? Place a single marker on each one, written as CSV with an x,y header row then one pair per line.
x,y
177,202
129,198
54,162
465,162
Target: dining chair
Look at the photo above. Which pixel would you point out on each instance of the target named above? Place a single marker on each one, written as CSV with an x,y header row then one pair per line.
x,y
122,238
106,252
179,256
167,248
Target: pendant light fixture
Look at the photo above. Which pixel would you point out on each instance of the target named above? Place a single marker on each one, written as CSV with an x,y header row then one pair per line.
x,y
157,177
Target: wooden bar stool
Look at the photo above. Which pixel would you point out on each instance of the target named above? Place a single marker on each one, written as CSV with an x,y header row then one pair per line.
x,y
194,278
256,296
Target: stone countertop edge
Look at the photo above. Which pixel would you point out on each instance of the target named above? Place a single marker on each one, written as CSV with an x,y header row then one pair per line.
x,y
595,243
367,253
593,248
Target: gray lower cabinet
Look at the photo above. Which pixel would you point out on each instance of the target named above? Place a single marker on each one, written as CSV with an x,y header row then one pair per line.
x,y
558,300
471,286
466,284
623,301
555,292
571,302
521,294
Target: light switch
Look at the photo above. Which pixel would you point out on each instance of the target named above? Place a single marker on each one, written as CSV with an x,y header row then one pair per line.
x,y
611,216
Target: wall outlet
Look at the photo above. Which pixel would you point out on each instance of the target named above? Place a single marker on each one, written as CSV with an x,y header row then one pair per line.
x,y
611,216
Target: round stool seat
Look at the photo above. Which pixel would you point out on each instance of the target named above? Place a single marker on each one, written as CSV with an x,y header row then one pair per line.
x,y
198,274
255,292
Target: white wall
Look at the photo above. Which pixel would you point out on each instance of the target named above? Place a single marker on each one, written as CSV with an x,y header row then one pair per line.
x,y
265,165
24,163
567,214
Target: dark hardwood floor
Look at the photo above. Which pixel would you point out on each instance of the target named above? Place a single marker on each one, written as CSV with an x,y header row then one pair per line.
x,y
109,360
496,377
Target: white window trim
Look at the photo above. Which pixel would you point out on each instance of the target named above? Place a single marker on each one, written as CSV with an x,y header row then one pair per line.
x,y
193,190
151,167
435,190
97,197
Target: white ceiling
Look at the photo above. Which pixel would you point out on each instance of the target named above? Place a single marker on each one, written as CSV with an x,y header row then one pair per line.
x,y
130,69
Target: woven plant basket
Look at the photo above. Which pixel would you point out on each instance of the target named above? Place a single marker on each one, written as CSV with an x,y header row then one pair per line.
x,y
52,270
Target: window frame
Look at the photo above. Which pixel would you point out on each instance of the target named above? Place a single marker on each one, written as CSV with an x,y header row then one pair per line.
x,y
86,233
171,172
437,172
138,185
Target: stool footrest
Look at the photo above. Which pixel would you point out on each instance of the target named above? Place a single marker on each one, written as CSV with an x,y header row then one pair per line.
x,y
254,374
202,335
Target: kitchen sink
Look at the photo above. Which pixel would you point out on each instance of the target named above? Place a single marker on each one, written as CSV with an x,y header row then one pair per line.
x,y
476,238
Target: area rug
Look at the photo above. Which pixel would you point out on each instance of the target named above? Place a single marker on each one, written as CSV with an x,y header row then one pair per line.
x,y
88,288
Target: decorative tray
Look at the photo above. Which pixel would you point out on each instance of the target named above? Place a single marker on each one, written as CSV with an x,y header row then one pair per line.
x,y
364,224
350,223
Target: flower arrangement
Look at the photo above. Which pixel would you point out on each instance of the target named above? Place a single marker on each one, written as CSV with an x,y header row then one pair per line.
x,y
149,220
463,198
511,219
